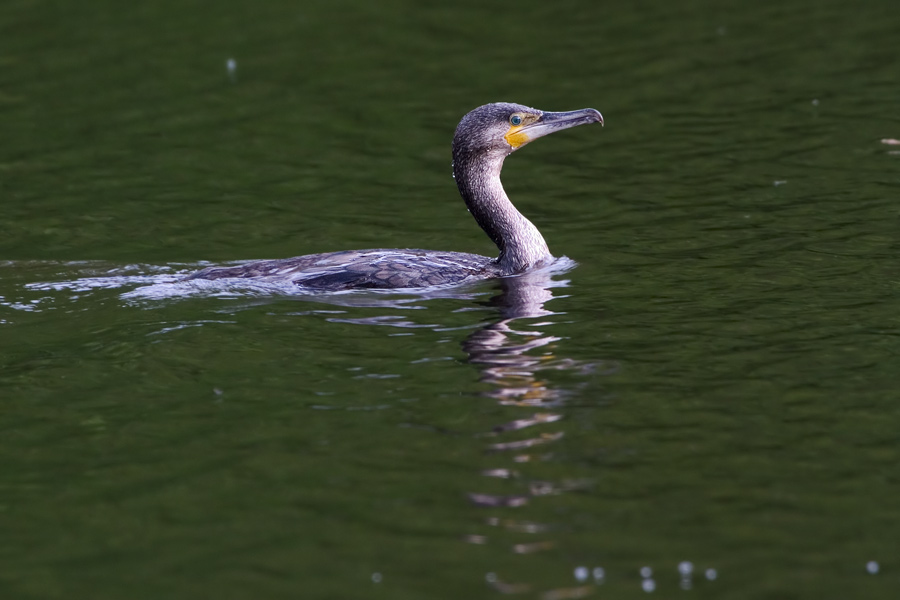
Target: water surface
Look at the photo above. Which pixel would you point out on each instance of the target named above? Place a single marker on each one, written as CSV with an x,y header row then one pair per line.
x,y
712,378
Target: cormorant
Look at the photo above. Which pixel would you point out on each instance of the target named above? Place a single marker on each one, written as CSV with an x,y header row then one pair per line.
x,y
483,139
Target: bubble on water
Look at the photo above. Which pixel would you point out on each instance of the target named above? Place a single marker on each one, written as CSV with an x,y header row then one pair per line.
x,y
599,574
872,567
376,577
581,573
646,572
648,585
815,102
491,578
711,574
685,567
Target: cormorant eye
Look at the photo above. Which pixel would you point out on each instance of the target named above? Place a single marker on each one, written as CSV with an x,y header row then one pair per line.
x,y
515,120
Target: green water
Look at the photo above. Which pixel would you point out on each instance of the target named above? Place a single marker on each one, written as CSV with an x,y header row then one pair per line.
x,y
717,380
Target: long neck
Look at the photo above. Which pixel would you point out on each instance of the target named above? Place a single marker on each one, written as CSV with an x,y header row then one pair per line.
x,y
478,178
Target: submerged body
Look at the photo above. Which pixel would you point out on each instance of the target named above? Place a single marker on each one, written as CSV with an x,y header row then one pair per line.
x,y
483,139
367,269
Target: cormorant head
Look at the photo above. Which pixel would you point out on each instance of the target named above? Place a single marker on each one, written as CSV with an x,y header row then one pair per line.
x,y
503,127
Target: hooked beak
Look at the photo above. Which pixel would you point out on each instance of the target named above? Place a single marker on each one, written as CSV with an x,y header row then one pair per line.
x,y
550,122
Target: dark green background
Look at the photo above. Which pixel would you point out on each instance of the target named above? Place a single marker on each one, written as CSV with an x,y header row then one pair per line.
x,y
728,361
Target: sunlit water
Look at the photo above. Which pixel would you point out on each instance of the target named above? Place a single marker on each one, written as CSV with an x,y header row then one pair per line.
x,y
702,402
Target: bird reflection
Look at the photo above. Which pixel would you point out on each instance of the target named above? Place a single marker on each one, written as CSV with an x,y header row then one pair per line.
x,y
515,355
511,358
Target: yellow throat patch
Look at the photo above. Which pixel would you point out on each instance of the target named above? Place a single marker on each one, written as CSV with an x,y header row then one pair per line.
x,y
515,137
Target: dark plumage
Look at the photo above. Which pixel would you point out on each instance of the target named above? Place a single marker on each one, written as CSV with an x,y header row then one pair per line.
x,y
483,139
